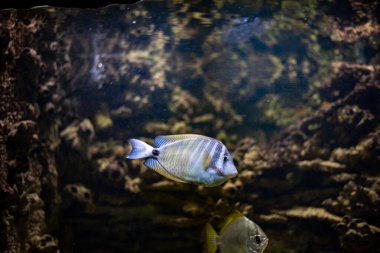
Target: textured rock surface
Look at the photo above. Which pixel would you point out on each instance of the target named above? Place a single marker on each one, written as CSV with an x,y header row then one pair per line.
x,y
76,84
29,176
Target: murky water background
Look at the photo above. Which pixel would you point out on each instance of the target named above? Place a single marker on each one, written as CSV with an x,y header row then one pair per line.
x,y
290,87
239,67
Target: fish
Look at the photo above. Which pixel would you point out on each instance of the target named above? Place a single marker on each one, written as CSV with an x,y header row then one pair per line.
x,y
186,158
238,235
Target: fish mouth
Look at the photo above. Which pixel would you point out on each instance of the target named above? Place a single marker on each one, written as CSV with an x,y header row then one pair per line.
x,y
220,172
232,174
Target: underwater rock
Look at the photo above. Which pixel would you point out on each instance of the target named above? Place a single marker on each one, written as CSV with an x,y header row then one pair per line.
x,y
194,209
273,219
77,194
348,78
357,200
310,213
180,127
132,185
44,244
205,118
343,177
352,34
112,173
103,119
321,166
364,150
354,116
122,112
273,110
355,120
357,235
21,134
316,151
247,176
229,190
168,185
157,127
28,175
79,135
182,101
348,156
255,158
176,221
48,88
28,65
222,205
241,148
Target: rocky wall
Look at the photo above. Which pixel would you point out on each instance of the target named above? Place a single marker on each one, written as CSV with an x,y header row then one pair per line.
x,y
29,190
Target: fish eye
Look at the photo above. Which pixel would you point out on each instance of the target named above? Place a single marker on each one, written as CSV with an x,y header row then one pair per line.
x,y
225,158
257,239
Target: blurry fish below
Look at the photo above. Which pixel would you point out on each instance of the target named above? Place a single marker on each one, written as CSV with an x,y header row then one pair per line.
x,y
238,235
186,158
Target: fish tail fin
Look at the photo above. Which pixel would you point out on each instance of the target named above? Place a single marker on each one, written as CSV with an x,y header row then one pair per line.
x,y
140,149
211,236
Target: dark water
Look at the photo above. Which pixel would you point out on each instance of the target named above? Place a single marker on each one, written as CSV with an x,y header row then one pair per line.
x,y
291,88
186,69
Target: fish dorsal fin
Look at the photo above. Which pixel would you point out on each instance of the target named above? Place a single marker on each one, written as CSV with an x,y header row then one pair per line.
x,y
211,236
161,140
230,219
156,166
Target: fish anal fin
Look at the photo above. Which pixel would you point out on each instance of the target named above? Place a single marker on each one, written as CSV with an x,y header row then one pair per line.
x,y
230,219
211,236
156,166
161,140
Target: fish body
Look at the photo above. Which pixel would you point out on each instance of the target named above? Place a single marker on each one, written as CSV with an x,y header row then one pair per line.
x,y
238,235
187,158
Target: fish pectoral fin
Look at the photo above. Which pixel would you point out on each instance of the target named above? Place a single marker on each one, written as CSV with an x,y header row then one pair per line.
x,y
211,236
161,140
156,166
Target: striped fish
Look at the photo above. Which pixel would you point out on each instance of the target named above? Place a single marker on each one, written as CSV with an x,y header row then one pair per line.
x,y
186,158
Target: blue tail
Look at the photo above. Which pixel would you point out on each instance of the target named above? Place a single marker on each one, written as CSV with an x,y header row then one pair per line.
x,y
139,149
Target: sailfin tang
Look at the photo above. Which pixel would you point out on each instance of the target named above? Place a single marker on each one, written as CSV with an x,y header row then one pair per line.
x,y
156,166
211,236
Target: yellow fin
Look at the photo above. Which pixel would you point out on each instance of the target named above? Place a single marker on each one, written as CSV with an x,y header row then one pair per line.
x,y
230,219
156,166
211,236
161,140
206,159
